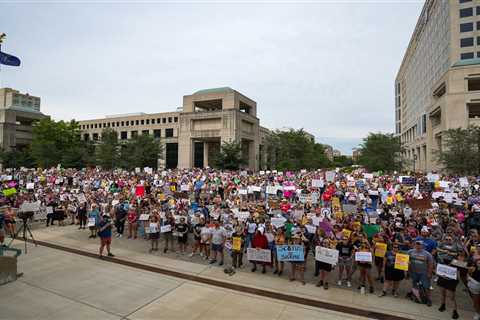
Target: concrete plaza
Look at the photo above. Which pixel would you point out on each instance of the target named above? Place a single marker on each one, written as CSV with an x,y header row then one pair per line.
x,y
58,285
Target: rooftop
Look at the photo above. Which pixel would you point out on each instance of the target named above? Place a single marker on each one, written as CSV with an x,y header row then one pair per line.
x,y
467,62
215,90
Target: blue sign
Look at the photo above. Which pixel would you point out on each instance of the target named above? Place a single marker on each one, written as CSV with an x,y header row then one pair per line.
x,y
290,253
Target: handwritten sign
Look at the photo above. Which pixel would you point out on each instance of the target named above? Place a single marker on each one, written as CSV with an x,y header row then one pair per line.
x,y
262,255
401,261
290,253
91,222
346,233
166,228
318,183
326,255
363,257
278,222
236,243
446,271
380,249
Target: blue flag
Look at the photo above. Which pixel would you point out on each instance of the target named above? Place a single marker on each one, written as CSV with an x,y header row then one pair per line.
x,y
9,60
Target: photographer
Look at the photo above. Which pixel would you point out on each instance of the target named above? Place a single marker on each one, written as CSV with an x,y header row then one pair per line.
x,y
105,234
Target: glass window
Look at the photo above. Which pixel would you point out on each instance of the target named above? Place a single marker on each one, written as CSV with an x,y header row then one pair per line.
x,y
158,120
465,1
157,133
124,135
466,55
467,12
145,132
478,10
164,120
175,119
137,122
169,119
133,134
142,122
118,124
169,133
474,84
466,42
86,137
123,123
95,137
148,121
466,27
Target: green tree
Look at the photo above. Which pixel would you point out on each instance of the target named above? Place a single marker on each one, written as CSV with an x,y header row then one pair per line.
x,y
230,156
342,161
57,142
381,151
460,153
294,150
107,150
141,151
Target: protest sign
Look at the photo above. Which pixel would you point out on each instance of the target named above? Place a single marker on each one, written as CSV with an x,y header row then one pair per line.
x,y
363,256
243,192
380,249
272,189
139,190
290,253
278,222
263,255
401,261
144,217
256,189
184,188
368,175
318,183
165,228
346,233
446,271
330,176
349,208
316,220
242,215
326,255
236,243
153,227
433,177
49,210
311,229
90,223
30,186
463,182
30,207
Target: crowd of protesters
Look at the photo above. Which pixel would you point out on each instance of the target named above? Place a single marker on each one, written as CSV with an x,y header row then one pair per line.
x,y
371,222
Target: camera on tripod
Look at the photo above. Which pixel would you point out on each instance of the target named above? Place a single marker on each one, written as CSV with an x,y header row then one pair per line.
x,y
25,215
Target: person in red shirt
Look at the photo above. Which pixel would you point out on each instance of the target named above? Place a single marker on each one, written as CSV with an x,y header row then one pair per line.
x,y
132,224
259,242
285,206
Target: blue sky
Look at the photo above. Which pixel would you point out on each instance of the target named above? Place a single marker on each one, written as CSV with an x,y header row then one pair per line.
x,y
325,66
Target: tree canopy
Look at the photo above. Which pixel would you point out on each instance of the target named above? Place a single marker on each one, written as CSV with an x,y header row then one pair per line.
x,y
460,153
230,156
381,151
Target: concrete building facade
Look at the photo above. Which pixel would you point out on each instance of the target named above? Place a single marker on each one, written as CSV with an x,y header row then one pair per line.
x,y
438,84
18,112
193,134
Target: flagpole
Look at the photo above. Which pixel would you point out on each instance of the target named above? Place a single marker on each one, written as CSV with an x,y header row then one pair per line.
x,y
2,37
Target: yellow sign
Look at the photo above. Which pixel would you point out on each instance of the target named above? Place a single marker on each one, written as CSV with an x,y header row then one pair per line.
x,y
335,202
380,249
346,233
401,261
236,243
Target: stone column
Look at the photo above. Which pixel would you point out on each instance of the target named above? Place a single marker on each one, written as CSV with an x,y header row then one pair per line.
x,y
205,154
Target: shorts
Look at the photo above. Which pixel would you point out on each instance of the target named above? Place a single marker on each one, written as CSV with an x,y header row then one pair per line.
x,y
217,247
345,261
324,266
473,286
449,284
182,239
106,240
154,236
364,265
392,274
422,278
378,261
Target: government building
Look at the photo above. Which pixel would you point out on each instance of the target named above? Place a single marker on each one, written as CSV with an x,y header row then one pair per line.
x,y
438,84
18,112
192,134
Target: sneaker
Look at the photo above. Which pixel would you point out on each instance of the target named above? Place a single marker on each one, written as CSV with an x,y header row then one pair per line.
x,y
383,294
339,283
120,235
325,286
111,254
429,303
455,314
371,290
319,283
442,308
395,294
221,263
191,254
362,290
212,261
349,284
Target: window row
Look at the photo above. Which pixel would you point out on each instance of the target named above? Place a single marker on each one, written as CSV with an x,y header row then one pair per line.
x,y
129,123
469,55
157,133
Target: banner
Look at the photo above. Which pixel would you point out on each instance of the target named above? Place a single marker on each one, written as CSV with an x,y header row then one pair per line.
x,y
290,253
401,261
326,255
446,271
9,60
317,183
91,222
263,255
330,176
380,249
363,257
139,191
30,207
30,186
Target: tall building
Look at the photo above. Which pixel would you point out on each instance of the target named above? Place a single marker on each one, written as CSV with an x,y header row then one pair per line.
x,y
17,114
438,85
192,135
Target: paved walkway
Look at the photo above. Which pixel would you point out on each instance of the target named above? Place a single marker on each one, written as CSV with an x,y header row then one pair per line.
x,y
82,275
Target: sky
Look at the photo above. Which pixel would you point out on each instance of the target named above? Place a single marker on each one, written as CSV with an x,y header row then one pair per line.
x,y
325,66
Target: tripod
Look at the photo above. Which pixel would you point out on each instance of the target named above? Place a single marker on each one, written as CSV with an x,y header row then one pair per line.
x,y
24,229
